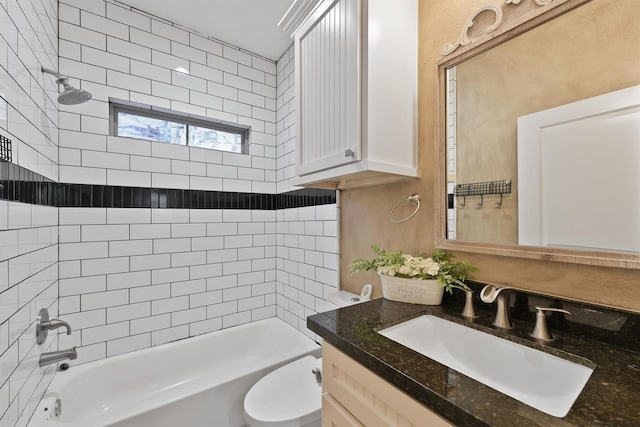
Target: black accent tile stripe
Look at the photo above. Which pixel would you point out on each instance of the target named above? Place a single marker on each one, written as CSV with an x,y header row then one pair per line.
x,y
22,185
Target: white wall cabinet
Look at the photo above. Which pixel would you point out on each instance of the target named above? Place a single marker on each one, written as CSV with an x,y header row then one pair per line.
x,y
356,91
354,396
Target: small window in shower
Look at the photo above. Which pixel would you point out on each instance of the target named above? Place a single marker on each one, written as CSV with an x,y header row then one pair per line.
x,y
160,125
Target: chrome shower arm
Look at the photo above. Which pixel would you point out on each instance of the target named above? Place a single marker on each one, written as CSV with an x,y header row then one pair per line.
x,y
53,73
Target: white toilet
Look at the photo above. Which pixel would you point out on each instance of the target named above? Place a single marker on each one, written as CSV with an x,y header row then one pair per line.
x,y
290,396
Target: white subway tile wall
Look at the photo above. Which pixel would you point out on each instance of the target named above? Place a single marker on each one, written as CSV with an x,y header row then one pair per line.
x,y
128,279
307,266
142,271
136,60
28,283
28,233
286,129
186,272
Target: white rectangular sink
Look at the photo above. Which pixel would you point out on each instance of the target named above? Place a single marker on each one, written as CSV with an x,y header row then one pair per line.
x,y
544,381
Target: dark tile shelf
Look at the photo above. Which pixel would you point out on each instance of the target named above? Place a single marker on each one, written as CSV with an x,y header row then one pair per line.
x,y
22,185
607,338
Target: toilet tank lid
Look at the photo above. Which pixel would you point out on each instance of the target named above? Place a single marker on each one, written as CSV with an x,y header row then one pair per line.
x,y
345,298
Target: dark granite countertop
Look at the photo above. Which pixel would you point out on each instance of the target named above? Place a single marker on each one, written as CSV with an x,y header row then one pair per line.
x,y
608,340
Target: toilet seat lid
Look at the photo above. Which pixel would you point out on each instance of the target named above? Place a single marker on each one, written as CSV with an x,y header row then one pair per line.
x,y
286,394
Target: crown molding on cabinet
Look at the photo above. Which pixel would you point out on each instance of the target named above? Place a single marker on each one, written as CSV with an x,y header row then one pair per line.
x,y
296,15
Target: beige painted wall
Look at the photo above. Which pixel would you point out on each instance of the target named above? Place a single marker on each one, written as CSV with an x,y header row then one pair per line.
x,y
365,212
554,64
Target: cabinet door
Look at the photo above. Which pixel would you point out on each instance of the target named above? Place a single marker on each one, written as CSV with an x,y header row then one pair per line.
x,y
334,415
368,398
328,87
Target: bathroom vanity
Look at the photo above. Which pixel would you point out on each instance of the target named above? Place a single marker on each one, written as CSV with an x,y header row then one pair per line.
x,y
372,380
354,396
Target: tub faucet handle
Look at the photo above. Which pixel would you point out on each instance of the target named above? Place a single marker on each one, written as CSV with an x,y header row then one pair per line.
x,y
43,325
541,331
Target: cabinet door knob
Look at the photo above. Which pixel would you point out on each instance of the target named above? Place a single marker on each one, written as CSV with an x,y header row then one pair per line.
x,y
349,153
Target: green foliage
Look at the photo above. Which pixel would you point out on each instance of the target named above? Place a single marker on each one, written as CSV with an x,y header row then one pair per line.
x,y
439,265
382,259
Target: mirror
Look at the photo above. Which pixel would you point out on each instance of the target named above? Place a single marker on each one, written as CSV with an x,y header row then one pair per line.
x,y
518,64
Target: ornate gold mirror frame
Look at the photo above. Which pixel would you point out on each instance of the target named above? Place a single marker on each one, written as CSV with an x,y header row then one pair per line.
x,y
488,27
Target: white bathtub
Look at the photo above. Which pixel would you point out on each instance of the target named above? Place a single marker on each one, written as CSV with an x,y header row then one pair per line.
x,y
199,381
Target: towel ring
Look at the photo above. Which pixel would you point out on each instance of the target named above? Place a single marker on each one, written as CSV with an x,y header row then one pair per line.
x,y
413,199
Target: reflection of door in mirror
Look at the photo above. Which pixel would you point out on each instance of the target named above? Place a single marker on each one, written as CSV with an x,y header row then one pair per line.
x,y
570,58
579,174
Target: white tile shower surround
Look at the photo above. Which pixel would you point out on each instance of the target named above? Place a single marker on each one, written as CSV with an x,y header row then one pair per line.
x,y
286,142
116,52
134,278
124,272
28,233
120,53
28,282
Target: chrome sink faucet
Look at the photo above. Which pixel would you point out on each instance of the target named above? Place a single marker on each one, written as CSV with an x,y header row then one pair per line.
x,y
491,293
57,356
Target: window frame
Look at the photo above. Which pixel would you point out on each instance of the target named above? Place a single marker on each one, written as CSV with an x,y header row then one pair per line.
x,y
188,120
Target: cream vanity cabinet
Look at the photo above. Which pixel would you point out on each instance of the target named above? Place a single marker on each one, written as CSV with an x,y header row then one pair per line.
x,y
354,396
356,66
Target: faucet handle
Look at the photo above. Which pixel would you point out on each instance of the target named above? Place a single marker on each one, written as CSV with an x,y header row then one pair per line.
x,y
468,311
540,331
43,325
41,331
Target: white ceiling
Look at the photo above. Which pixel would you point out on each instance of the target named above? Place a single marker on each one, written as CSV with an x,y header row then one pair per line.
x,y
248,24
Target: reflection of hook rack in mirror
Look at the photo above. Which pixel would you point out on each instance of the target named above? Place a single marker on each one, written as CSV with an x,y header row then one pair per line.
x,y
483,189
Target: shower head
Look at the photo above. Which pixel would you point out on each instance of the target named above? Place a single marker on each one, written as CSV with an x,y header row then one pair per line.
x,y
70,95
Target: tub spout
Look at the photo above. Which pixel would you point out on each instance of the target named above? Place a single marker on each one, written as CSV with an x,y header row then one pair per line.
x,y
57,356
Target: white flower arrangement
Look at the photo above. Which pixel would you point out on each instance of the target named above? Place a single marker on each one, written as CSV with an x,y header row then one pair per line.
x,y
438,266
